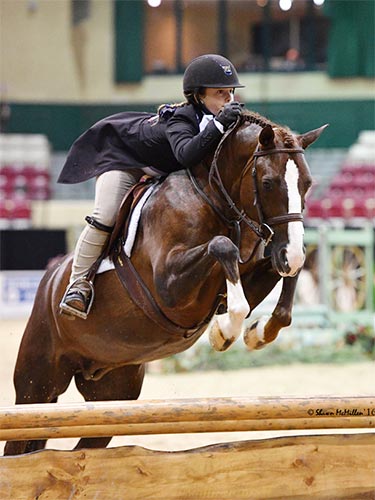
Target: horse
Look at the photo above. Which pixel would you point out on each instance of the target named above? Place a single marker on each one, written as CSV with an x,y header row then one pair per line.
x,y
212,242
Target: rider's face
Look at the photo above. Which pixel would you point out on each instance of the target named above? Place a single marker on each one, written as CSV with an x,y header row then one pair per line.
x,y
214,99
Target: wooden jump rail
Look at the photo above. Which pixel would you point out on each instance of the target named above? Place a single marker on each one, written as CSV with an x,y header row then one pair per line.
x,y
42,421
328,466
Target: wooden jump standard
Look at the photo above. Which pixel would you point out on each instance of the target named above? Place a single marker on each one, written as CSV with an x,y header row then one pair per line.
x,y
334,466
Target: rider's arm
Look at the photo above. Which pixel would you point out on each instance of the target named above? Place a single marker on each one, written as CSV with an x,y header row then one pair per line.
x,y
189,145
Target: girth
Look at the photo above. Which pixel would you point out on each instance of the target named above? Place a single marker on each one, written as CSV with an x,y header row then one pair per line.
x,y
142,297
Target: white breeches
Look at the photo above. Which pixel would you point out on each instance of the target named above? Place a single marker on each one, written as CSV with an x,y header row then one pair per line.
x,y
110,189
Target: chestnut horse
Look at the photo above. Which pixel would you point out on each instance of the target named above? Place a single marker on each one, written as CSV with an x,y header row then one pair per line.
x,y
200,243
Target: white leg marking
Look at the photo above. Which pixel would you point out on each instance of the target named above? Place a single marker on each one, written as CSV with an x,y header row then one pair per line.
x,y
254,334
294,249
226,328
238,309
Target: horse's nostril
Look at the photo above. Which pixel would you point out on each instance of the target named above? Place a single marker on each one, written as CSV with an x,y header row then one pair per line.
x,y
283,260
283,256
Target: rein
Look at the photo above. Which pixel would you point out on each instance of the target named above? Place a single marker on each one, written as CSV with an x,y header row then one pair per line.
x,y
263,229
240,215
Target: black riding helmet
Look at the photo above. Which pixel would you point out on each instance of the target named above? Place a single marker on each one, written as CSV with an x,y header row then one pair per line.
x,y
210,71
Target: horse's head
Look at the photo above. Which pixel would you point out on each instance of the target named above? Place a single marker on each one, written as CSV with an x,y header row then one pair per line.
x,y
274,184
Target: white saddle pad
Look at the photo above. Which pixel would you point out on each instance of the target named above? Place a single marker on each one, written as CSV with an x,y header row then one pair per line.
x,y
107,264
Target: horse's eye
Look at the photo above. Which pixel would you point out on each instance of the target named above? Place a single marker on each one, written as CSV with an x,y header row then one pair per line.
x,y
267,184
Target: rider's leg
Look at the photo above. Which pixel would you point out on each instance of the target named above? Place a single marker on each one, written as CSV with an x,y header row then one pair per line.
x,y
88,248
109,192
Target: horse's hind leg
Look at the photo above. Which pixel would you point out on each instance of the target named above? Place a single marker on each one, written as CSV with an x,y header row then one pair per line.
x,y
119,384
38,377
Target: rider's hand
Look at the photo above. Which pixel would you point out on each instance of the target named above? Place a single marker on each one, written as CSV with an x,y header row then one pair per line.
x,y
229,114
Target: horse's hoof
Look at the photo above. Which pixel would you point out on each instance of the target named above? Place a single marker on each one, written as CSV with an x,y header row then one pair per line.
x,y
217,341
254,334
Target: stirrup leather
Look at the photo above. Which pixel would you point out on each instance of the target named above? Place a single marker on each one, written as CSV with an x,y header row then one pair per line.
x,y
72,310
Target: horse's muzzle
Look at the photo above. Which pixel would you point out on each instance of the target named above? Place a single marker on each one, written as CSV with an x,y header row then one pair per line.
x,y
288,262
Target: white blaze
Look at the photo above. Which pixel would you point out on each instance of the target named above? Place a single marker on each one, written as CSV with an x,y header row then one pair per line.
x,y
294,249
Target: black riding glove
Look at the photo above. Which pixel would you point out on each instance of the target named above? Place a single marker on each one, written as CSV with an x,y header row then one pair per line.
x,y
229,114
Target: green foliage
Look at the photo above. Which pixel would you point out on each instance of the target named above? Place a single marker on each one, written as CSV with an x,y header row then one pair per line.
x,y
362,336
202,357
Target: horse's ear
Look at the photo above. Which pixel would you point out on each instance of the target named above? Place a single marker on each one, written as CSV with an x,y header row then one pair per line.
x,y
309,137
267,136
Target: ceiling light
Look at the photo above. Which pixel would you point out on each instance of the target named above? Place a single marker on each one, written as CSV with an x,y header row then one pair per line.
x,y
154,3
285,4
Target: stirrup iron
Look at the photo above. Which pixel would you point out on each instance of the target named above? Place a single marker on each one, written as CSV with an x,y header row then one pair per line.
x,y
71,310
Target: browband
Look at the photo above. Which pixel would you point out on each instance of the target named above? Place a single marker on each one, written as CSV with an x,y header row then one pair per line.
x,y
266,152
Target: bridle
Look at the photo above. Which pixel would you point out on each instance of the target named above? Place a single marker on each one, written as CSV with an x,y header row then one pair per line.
x,y
278,219
263,229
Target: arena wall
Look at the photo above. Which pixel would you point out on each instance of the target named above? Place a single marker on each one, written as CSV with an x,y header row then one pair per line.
x,y
59,78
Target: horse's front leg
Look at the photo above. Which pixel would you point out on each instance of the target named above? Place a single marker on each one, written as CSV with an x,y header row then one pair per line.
x,y
224,329
265,329
193,277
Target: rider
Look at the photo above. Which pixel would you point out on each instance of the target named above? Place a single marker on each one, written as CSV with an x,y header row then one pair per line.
x,y
121,148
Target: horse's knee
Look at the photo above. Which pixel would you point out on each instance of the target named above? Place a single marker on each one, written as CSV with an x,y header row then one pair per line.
x,y
222,247
225,252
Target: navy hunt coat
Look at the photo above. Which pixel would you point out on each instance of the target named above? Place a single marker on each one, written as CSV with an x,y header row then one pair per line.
x,y
179,138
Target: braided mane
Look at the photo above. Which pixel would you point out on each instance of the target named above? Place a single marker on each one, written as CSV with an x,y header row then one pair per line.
x,y
252,117
285,132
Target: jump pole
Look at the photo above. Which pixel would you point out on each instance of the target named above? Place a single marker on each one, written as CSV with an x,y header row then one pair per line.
x,y
43,421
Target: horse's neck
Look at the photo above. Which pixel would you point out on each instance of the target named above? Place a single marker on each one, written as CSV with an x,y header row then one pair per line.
x,y
238,153
231,162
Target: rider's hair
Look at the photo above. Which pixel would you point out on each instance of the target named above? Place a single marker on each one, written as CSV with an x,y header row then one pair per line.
x,y
164,107
193,97
190,98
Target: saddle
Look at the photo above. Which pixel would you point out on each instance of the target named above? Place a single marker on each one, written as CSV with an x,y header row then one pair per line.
x,y
130,201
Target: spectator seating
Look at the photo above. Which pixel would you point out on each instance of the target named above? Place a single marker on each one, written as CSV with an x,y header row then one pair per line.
x,y
15,213
24,176
349,197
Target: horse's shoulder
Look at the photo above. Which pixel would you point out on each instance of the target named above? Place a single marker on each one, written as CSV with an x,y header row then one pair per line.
x,y
177,180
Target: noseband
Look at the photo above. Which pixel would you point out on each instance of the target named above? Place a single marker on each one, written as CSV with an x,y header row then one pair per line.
x,y
264,229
